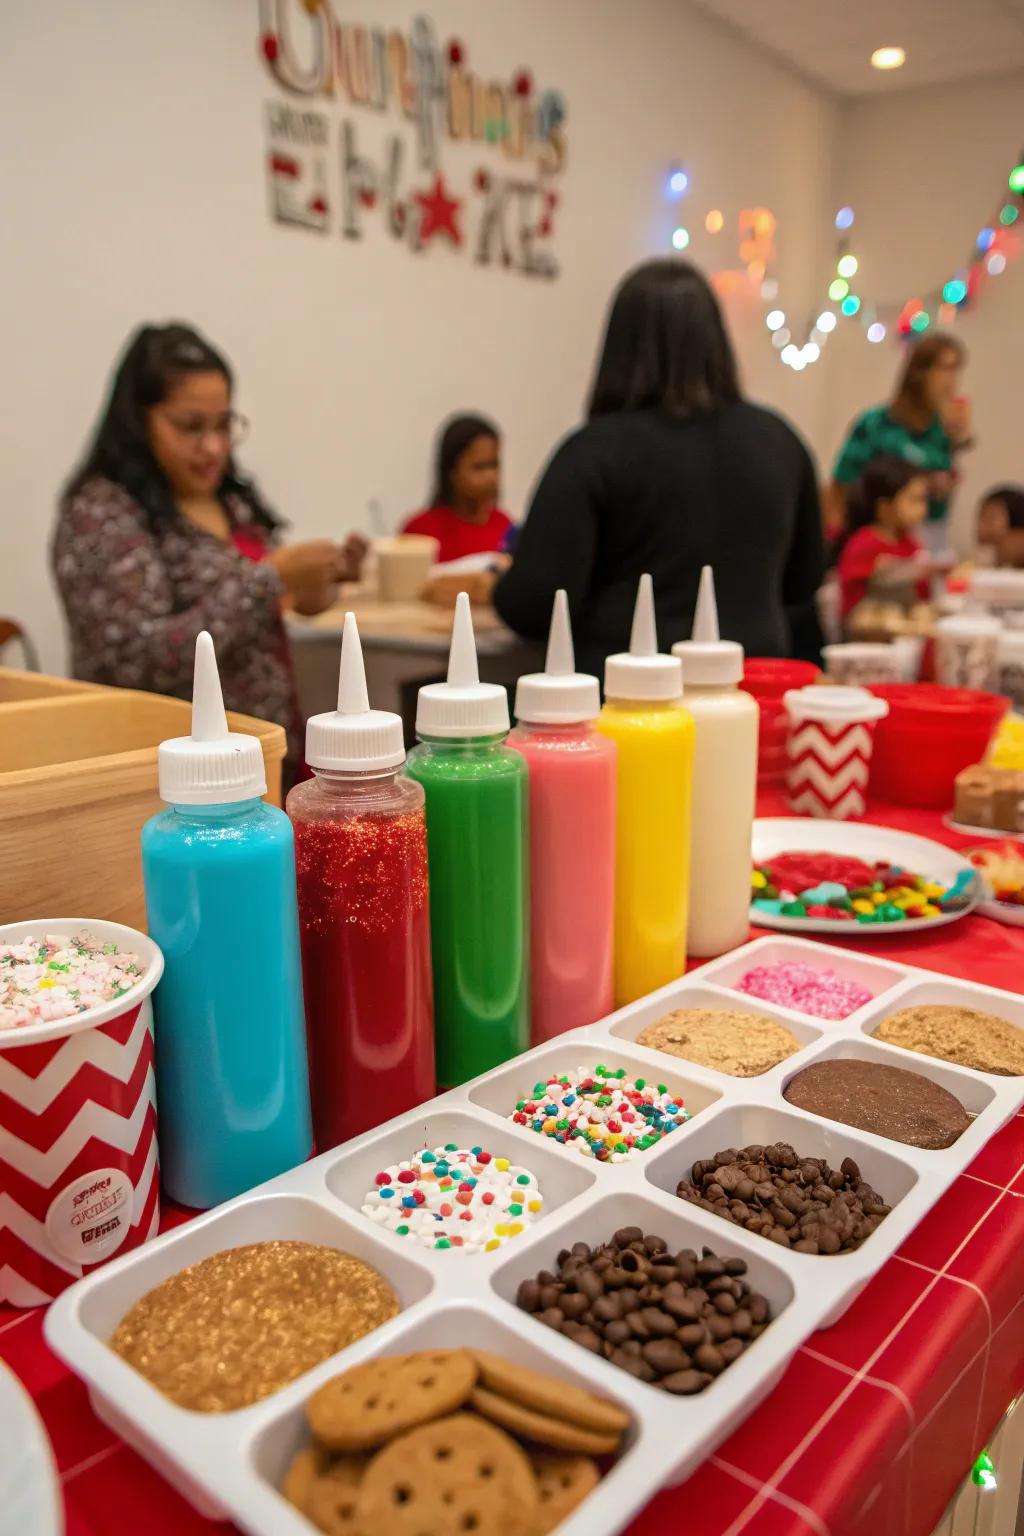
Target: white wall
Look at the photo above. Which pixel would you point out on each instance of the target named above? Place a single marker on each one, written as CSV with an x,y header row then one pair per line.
x,y
923,171
131,188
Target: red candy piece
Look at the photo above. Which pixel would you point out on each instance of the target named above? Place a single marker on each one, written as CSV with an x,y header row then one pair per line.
x,y
465,1215
802,871
829,912
419,1196
465,1197
446,1209
383,1178
483,1157
488,1198
406,1176
465,1186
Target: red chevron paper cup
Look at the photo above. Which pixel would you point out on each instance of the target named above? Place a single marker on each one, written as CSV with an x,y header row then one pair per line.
x,y
829,746
79,1179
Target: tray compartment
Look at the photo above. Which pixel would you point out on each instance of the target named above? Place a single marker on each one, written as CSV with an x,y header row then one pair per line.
x,y
926,990
696,993
877,976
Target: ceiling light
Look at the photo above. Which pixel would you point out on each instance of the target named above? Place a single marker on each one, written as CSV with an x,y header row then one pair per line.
x,y
888,58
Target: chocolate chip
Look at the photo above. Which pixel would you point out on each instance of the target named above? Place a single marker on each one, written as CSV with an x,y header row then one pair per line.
x,y
618,1332
685,1383
658,1322
719,1327
628,1298
708,1358
626,1235
549,1295
692,1335
607,1309
731,1350
576,1304
590,1283
584,1336
655,1245
710,1268
580,1251
636,1365
664,1274
634,1263
741,1322
553,1317
666,1356
528,1296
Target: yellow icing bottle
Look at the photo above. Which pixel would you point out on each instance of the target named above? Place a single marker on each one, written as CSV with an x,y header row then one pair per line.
x,y
644,716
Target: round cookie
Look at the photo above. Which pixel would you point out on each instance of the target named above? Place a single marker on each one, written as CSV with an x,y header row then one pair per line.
x,y
448,1477
543,1428
332,1498
888,1101
741,1044
546,1395
971,1039
563,1482
238,1325
373,1402
306,1466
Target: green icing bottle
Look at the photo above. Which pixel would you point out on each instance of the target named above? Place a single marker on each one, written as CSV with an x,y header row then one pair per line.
x,y
476,791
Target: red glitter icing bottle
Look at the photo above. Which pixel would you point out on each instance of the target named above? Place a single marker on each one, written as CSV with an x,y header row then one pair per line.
x,y
364,914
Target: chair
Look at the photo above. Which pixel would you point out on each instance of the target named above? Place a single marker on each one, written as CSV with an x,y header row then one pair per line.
x,y
12,632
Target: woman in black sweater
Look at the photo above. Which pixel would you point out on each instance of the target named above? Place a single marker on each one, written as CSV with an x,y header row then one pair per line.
x,y
673,470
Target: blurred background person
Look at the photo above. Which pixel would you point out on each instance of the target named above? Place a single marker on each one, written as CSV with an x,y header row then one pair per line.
x,y
463,514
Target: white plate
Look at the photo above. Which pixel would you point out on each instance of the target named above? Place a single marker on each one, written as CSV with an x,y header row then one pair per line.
x,y
1002,912
30,1497
990,834
796,834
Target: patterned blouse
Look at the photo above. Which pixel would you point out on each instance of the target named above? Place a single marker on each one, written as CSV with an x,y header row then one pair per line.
x,y
136,599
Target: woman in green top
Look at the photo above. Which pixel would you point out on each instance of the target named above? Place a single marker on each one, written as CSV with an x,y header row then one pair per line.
x,y
924,423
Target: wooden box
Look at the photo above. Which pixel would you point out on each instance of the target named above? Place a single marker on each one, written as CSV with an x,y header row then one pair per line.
x,y
78,778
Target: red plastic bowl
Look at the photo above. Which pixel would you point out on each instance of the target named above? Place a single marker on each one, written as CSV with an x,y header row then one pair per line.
x,y
769,677
928,736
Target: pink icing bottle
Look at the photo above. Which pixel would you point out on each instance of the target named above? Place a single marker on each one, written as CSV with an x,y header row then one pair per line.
x,y
572,838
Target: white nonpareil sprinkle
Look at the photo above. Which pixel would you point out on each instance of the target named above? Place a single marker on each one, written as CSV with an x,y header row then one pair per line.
x,y
59,976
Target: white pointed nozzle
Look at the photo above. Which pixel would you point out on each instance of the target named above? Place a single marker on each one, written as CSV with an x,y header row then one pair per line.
x,y
213,766
462,706
643,672
559,695
708,661
354,738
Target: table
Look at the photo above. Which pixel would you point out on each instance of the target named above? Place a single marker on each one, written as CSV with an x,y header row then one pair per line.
x,y
876,1421
404,645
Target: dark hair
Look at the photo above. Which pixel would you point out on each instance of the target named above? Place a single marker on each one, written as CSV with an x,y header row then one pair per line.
x,y
454,438
908,404
155,358
885,477
665,346
1012,498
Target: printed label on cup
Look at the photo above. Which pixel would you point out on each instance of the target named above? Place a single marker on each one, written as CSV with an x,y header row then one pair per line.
x,y
91,1217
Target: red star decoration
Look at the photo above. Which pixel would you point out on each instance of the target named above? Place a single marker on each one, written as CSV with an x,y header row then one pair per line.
x,y
439,212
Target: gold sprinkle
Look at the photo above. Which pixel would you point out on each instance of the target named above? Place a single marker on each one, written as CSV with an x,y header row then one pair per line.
x,y
241,1324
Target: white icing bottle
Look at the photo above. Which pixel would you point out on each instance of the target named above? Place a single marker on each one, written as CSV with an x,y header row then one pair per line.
x,y
724,781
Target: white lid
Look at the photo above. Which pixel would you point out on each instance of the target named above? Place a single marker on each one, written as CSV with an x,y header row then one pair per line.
x,y
559,695
213,766
643,672
969,625
708,660
463,706
835,706
354,738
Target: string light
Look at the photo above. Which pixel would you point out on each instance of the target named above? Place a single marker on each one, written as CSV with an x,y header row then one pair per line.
x,y
876,331
838,288
826,321
1015,179
985,238
811,352
789,353
844,218
955,291
1008,214
850,304
680,238
769,289
996,263
889,58
920,321
846,266
781,337
774,318
678,182
755,269
714,221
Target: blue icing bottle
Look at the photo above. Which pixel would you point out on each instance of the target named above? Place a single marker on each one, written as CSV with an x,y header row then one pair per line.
x,y
219,871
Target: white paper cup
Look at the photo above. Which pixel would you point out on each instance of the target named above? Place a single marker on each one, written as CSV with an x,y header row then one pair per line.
x,y
78,1148
860,662
403,565
829,747
967,651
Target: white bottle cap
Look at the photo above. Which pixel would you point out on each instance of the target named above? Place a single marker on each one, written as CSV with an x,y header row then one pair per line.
x,y
463,706
213,766
643,672
559,695
834,706
708,661
354,738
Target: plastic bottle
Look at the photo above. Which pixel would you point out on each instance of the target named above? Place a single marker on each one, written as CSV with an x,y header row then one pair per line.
x,y
644,716
572,838
364,915
724,781
476,789
219,871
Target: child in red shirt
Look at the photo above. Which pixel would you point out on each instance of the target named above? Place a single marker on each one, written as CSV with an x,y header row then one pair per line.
x,y
892,501
463,515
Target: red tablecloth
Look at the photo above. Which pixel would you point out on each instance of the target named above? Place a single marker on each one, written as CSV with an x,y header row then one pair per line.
x,y
870,1431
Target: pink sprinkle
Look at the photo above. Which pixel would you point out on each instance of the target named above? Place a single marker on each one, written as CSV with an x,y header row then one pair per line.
x,y
822,994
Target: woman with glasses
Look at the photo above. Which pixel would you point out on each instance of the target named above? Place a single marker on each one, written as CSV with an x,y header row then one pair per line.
x,y
160,536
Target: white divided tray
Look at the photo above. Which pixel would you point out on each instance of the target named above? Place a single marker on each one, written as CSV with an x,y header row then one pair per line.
x,y
230,1464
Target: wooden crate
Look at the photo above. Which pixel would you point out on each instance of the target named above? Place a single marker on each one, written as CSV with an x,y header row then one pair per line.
x,y
17,686
78,777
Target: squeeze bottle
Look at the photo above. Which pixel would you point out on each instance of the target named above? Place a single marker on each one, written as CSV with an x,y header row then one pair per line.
x,y
644,716
572,838
364,916
476,789
219,872
724,781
